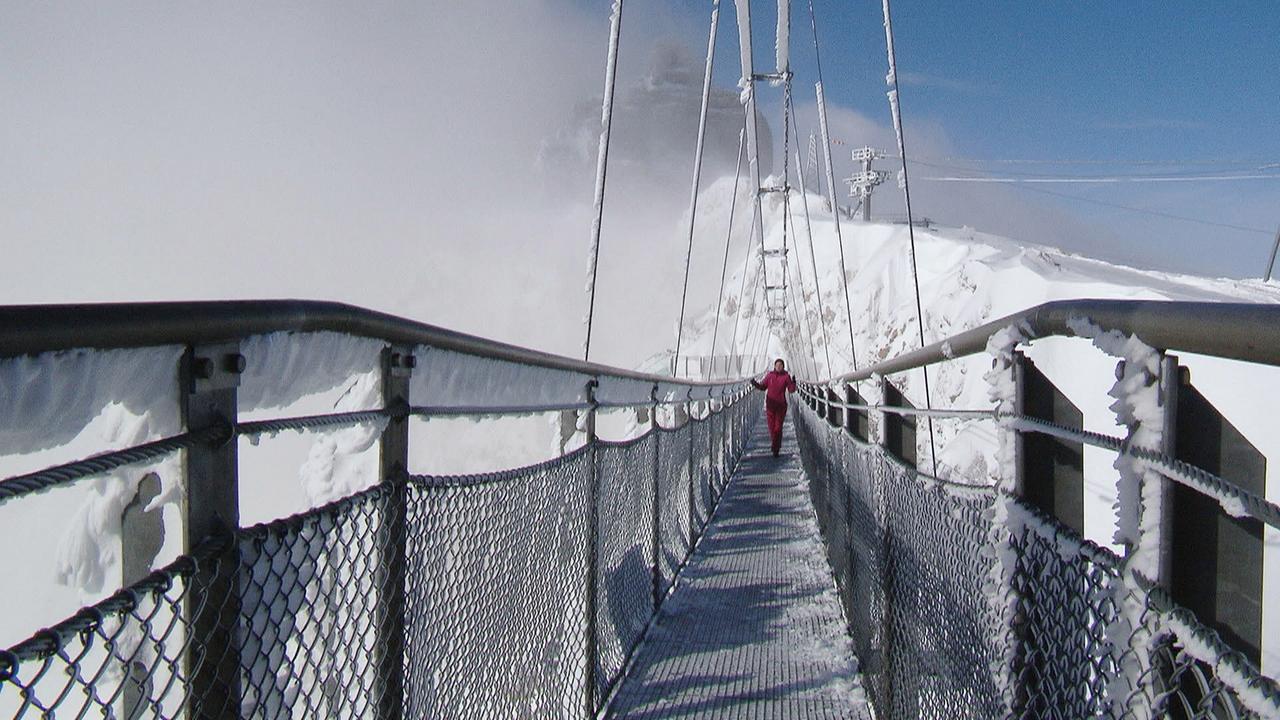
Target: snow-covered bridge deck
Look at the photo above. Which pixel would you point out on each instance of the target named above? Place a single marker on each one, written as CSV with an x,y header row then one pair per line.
x,y
754,628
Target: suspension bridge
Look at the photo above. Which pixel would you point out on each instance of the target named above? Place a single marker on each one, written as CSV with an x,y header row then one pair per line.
x,y
663,563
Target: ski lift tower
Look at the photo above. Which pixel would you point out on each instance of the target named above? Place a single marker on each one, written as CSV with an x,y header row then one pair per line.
x,y
862,184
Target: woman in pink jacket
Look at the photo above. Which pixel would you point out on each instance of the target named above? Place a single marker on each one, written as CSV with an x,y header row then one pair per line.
x,y
776,384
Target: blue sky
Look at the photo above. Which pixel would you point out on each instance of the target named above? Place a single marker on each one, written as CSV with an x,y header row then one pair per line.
x,y
1104,80
1122,82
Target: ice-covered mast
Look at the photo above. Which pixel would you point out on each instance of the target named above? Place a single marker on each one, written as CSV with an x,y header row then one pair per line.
x,y
602,165
748,96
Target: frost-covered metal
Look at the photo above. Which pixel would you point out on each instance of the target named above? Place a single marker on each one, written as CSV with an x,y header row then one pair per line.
x,y
966,596
393,593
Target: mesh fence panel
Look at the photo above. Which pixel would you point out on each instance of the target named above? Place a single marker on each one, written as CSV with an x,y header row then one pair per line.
x,y
491,570
625,551
700,438
495,616
963,601
310,588
120,658
673,499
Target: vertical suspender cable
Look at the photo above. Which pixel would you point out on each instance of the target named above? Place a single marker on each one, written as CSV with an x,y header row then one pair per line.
x,y
802,316
697,176
808,228
602,164
831,182
728,238
804,303
746,264
753,329
896,108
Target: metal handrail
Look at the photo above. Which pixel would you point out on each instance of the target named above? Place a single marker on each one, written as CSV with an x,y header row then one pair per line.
x,y
1234,331
33,329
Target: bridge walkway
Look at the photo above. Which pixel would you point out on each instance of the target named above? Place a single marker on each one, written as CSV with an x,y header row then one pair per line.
x,y
754,628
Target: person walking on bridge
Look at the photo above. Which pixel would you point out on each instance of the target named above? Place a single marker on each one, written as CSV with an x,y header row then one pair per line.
x,y
776,384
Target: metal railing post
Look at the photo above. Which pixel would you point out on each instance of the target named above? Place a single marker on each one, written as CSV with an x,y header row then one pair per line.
x,y
393,458
713,473
834,418
693,482
593,554
141,537
657,498
1051,469
899,437
210,375
857,422
1216,568
1146,547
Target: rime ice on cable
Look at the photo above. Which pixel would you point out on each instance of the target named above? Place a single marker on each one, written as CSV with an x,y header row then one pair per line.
x,y
782,46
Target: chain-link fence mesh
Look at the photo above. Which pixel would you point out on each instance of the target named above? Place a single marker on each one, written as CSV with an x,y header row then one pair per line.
x,y
441,597
625,551
964,601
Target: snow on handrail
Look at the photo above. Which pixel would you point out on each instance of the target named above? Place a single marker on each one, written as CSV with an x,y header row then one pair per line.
x,y
33,329
1233,499
1234,331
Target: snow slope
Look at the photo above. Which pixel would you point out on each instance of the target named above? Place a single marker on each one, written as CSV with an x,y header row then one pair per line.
x,y
968,278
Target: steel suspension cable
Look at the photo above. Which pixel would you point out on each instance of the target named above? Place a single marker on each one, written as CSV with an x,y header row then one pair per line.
x,y
802,318
746,263
697,176
831,183
728,238
602,164
895,107
808,228
804,304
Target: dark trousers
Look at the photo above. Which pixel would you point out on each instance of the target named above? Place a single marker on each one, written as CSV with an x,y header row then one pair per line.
x,y
775,413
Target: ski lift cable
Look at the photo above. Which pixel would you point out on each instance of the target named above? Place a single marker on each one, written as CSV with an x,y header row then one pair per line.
x,y
1256,164
1218,169
1144,211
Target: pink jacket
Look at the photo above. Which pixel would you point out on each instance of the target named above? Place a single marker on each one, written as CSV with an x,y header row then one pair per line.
x,y
776,385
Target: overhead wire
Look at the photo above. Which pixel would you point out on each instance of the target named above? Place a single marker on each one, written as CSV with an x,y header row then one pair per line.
x,y
1104,203
1144,211
1103,180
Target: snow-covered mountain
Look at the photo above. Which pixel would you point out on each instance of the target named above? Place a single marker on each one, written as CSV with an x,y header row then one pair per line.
x,y
969,278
